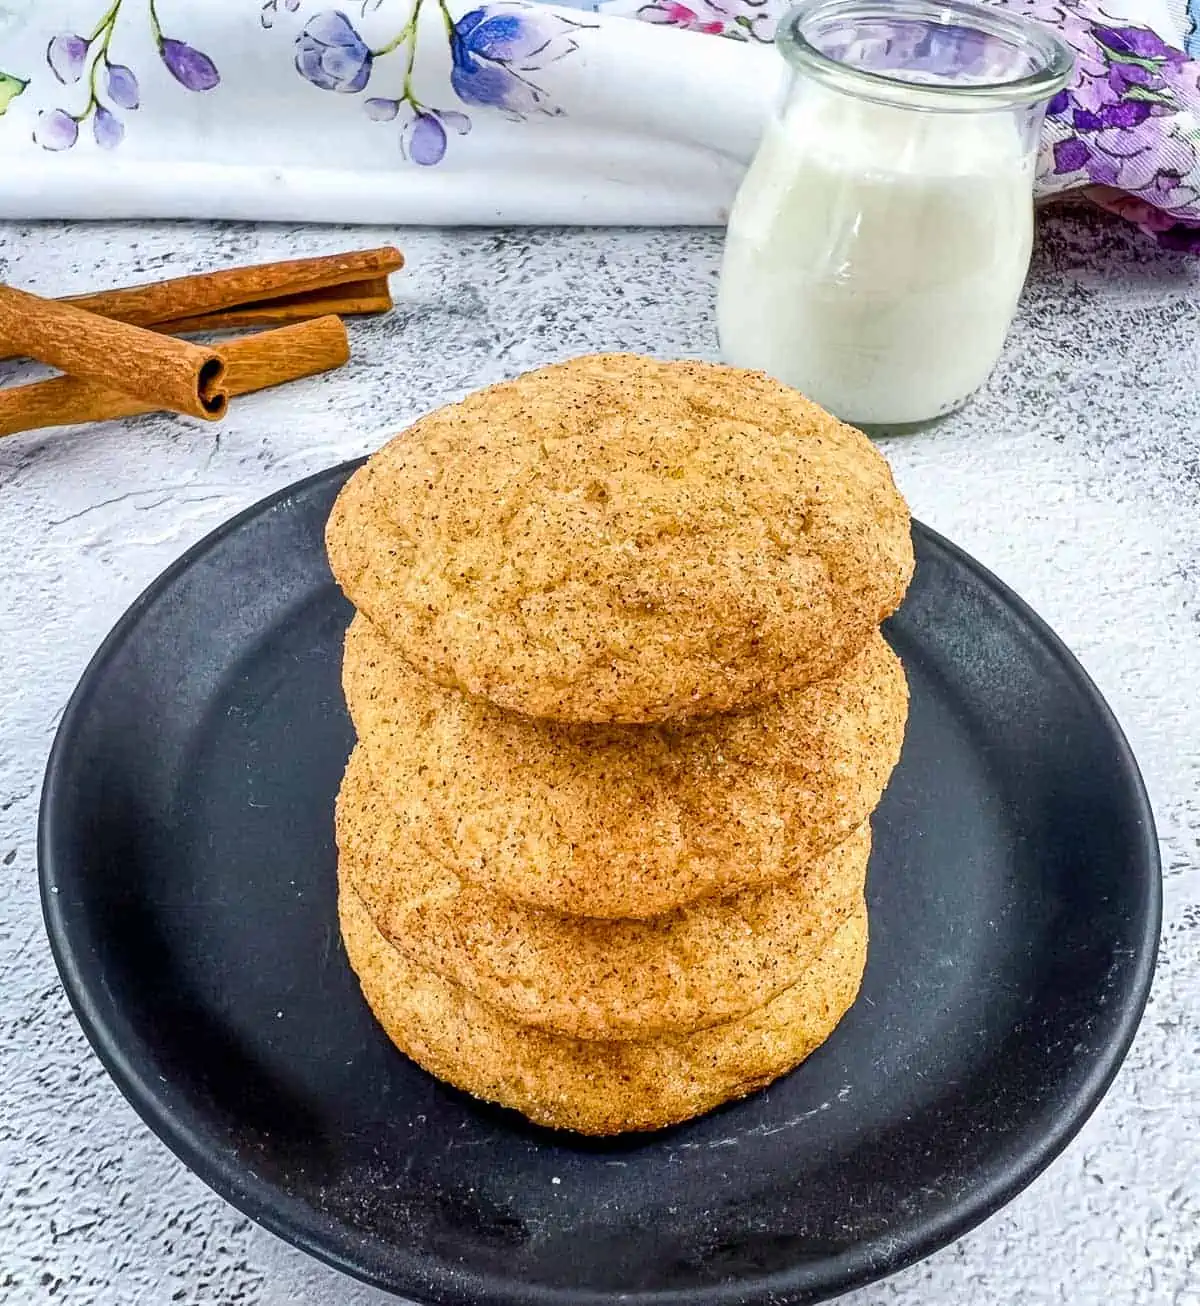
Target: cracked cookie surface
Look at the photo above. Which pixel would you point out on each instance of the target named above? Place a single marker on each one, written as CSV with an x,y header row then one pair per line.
x,y
703,965
626,821
589,1086
617,538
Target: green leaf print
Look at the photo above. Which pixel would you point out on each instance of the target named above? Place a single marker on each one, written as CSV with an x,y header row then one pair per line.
x,y
10,88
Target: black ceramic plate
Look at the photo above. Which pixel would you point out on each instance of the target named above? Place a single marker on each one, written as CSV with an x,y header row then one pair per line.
x,y
187,865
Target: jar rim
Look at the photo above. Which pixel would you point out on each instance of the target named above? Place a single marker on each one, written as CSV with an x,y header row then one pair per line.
x,y
1054,61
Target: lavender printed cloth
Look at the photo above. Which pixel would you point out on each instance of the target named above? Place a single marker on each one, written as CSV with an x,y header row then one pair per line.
x,y
457,112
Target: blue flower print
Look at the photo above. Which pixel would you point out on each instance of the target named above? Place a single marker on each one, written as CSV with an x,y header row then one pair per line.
x,y
122,86
492,49
423,138
107,129
332,55
382,110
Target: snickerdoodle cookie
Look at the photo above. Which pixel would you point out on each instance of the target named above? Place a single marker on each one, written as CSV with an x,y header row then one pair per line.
x,y
617,538
589,1086
622,821
594,979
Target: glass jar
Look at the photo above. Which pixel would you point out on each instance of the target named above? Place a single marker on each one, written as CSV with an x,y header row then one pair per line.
x,y
879,242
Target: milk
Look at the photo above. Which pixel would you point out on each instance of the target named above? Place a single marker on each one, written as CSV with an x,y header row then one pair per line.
x,y
875,254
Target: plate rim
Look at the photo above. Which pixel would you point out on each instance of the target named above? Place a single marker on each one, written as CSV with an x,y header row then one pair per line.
x,y
440,1281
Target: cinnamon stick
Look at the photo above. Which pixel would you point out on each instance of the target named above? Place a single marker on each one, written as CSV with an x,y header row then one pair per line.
x,y
268,358
371,295
157,369
252,362
212,292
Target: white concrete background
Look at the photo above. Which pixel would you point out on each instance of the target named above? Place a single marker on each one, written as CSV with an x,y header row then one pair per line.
x,y
1076,477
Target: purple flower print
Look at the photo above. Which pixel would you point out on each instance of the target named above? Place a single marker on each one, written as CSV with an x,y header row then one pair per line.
x,y
1075,31
190,67
66,55
122,85
1173,194
382,110
1143,167
113,86
1124,113
492,49
1123,77
457,122
332,55
1091,94
424,139
1113,63
424,135
1140,42
55,129
107,129
1131,110
1070,155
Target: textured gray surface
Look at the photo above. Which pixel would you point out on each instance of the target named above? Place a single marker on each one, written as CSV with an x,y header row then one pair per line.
x,y
1076,477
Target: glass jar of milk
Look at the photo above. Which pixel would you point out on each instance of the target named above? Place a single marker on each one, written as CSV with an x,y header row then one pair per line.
x,y
880,240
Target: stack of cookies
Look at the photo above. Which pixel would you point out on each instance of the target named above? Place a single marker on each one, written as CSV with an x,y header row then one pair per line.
x,y
623,712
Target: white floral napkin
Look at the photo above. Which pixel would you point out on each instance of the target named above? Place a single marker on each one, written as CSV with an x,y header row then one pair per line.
x,y
452,112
